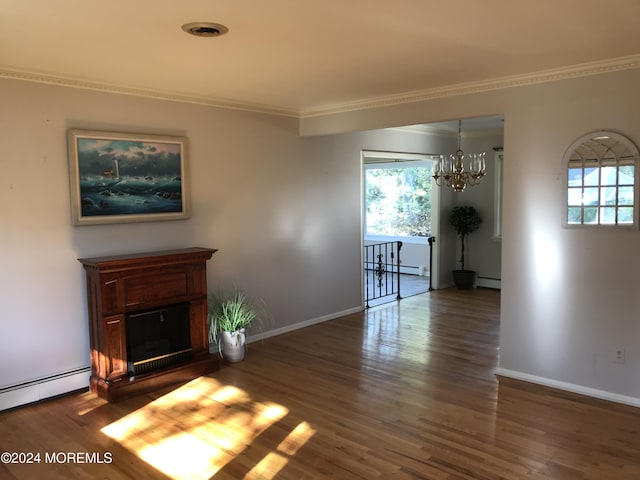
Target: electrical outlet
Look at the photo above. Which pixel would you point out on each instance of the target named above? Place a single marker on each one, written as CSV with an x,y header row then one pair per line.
x,y
619,355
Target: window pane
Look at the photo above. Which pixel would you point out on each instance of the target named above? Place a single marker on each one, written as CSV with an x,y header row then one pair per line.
x,y
590,196
602,180
608,196
591,215
625,196
398,201
591,176
575,177
608,215
626,175
575,196
574,215
609,175
625,215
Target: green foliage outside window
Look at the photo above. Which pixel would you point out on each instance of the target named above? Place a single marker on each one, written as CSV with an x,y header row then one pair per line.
x,y
398,201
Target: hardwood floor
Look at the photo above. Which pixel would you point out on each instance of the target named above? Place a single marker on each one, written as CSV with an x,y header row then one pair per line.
x,y
402,391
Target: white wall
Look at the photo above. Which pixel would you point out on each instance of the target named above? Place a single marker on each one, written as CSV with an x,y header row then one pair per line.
x,y
569,297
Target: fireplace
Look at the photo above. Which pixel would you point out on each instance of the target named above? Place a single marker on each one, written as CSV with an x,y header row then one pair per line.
x,y
157,339
147,320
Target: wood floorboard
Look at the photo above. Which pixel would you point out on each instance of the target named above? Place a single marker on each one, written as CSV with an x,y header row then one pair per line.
x,y
402,391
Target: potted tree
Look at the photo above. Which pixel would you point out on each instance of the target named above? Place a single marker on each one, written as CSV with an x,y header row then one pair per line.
x,y
229,317
465,219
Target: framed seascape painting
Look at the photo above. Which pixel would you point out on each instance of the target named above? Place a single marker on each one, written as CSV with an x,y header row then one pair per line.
x,y
124,177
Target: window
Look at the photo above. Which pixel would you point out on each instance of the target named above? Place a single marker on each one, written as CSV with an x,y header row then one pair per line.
x,y
397,197
601,181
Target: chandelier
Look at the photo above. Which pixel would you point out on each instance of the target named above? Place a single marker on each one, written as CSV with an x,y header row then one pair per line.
x,y
451,172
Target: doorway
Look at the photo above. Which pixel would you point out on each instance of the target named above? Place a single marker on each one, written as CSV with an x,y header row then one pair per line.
x,y
400,204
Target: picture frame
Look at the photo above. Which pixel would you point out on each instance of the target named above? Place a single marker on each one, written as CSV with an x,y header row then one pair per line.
x,y
127,177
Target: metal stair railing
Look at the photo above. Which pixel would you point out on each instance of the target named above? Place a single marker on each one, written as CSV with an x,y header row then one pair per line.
x,y
382,270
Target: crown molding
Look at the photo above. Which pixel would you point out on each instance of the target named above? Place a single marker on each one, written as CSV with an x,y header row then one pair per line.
x,y
433,129
36,77
543,76
425,129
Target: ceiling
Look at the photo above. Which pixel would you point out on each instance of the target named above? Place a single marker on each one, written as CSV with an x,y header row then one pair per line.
x,y
303,58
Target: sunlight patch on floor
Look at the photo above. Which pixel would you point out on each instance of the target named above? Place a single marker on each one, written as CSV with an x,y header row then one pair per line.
x,y
195,430
296,439
273,462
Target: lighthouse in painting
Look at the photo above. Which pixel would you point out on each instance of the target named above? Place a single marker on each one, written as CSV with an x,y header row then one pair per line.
x,y
116,168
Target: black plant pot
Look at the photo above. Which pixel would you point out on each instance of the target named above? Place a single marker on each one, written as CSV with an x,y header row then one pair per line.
x,y
464,279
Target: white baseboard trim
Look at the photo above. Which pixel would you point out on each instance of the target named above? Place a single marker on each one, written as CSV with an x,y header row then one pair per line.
x,y
307,323
570,387
35,390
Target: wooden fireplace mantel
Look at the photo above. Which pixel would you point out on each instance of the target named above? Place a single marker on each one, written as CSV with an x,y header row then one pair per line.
x,y
122,284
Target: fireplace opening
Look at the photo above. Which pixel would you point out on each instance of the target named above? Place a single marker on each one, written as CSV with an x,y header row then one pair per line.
x,y
158,338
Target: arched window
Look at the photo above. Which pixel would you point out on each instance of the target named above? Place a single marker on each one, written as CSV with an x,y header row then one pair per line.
x,y
601,181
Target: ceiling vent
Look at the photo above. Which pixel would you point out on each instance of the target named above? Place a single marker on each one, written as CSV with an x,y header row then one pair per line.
x,y
205,29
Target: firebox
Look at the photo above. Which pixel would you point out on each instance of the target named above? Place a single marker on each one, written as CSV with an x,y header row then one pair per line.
x,y
158,338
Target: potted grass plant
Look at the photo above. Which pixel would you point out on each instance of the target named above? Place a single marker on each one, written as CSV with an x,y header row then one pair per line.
x,y
465,219
229,317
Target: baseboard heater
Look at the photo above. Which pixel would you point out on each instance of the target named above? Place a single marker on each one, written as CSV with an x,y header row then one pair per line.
x,y
44,387
488,282
407,269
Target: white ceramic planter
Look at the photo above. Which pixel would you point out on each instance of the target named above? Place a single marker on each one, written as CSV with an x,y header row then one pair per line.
x,y
233,346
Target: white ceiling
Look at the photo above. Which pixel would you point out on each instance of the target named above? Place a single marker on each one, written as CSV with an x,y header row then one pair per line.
x,y
303,57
